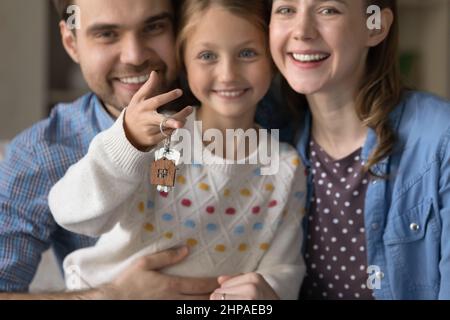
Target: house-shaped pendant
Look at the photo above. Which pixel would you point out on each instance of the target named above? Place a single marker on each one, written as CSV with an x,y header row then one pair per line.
x,y
162,172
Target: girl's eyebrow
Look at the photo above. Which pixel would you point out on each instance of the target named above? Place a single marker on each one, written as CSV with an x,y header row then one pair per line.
x,y
243,43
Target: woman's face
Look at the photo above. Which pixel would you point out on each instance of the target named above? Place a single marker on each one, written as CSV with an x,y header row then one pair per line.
x,y
320,45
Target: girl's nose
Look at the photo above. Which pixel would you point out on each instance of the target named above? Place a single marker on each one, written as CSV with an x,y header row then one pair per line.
x,y
227,70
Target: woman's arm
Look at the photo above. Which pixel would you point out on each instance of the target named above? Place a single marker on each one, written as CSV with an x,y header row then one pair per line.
x,y
444,210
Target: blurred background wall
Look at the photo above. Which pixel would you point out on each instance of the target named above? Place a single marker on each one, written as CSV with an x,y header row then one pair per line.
x,y
23,64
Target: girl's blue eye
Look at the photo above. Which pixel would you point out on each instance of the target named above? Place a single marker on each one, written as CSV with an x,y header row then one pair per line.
x,y
247,53
207,56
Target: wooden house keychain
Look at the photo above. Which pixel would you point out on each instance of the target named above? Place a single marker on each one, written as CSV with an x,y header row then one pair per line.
x,y
163,169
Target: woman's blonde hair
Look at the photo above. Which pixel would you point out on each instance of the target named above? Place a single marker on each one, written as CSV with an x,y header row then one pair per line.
x,y
379,92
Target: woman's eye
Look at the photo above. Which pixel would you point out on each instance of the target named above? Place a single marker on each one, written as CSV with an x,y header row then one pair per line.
x,y
247,53
207,56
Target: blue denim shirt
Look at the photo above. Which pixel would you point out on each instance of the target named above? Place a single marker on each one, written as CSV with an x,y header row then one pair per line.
x,y
407,215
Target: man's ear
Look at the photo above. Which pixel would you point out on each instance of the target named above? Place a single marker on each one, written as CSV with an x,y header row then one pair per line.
x,y
69,41
377,36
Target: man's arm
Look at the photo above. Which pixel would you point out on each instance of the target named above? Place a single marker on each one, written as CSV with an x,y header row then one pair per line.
x,y
26,224
141,281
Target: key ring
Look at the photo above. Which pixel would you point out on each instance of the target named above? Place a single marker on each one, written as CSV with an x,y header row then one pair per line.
x,y
167,136
161,127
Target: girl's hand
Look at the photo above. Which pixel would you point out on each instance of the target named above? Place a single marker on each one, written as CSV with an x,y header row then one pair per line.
x,y
142,121
248,286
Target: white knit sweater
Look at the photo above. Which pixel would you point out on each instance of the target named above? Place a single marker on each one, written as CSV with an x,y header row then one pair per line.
x,y
234,219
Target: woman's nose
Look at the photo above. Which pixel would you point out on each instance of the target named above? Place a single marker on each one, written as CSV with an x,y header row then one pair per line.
x,y
305,27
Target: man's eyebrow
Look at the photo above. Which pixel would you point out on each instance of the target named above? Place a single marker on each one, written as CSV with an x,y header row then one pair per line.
x,y
110,26
340,1
161,16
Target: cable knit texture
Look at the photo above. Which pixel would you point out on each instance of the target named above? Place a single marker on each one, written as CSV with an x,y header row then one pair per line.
x,y
234,219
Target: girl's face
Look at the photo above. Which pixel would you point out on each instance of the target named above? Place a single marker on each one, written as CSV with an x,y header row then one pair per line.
x,y
227,62
320,46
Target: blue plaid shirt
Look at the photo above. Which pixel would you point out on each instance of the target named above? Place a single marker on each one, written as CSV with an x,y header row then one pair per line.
x,y
34,162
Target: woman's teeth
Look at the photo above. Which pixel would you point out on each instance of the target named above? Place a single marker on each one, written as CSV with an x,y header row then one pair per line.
x,y
309,57
135,80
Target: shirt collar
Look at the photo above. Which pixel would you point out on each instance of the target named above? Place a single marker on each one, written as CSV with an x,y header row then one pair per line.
x,y
105,120
369,145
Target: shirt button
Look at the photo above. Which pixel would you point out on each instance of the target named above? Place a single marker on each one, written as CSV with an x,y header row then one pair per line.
x,y
379,275
375,226
414,227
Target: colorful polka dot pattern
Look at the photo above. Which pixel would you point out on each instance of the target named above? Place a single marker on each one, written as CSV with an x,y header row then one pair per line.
x,y
149,227
191,242
181,180
257,211
203,186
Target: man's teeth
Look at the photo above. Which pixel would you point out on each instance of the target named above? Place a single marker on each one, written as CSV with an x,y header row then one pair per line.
x,y
309,57
135,80
230,94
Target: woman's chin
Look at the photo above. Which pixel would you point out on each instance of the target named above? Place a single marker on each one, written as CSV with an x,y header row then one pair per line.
x,y
305,88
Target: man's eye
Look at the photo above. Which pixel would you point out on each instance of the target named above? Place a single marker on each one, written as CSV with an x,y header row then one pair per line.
x,y
329,11
154,27
284,11
207,56
247,53
106,35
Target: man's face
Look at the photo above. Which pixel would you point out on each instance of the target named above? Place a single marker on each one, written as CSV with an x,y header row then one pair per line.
x,y
119,43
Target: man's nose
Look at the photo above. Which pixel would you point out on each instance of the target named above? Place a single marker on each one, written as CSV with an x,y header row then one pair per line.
x,y
134,51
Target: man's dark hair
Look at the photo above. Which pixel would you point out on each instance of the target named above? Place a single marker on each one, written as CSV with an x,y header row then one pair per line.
x,y
61,8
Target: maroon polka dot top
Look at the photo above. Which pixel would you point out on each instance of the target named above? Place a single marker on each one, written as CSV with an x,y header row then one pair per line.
x,y
336,245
